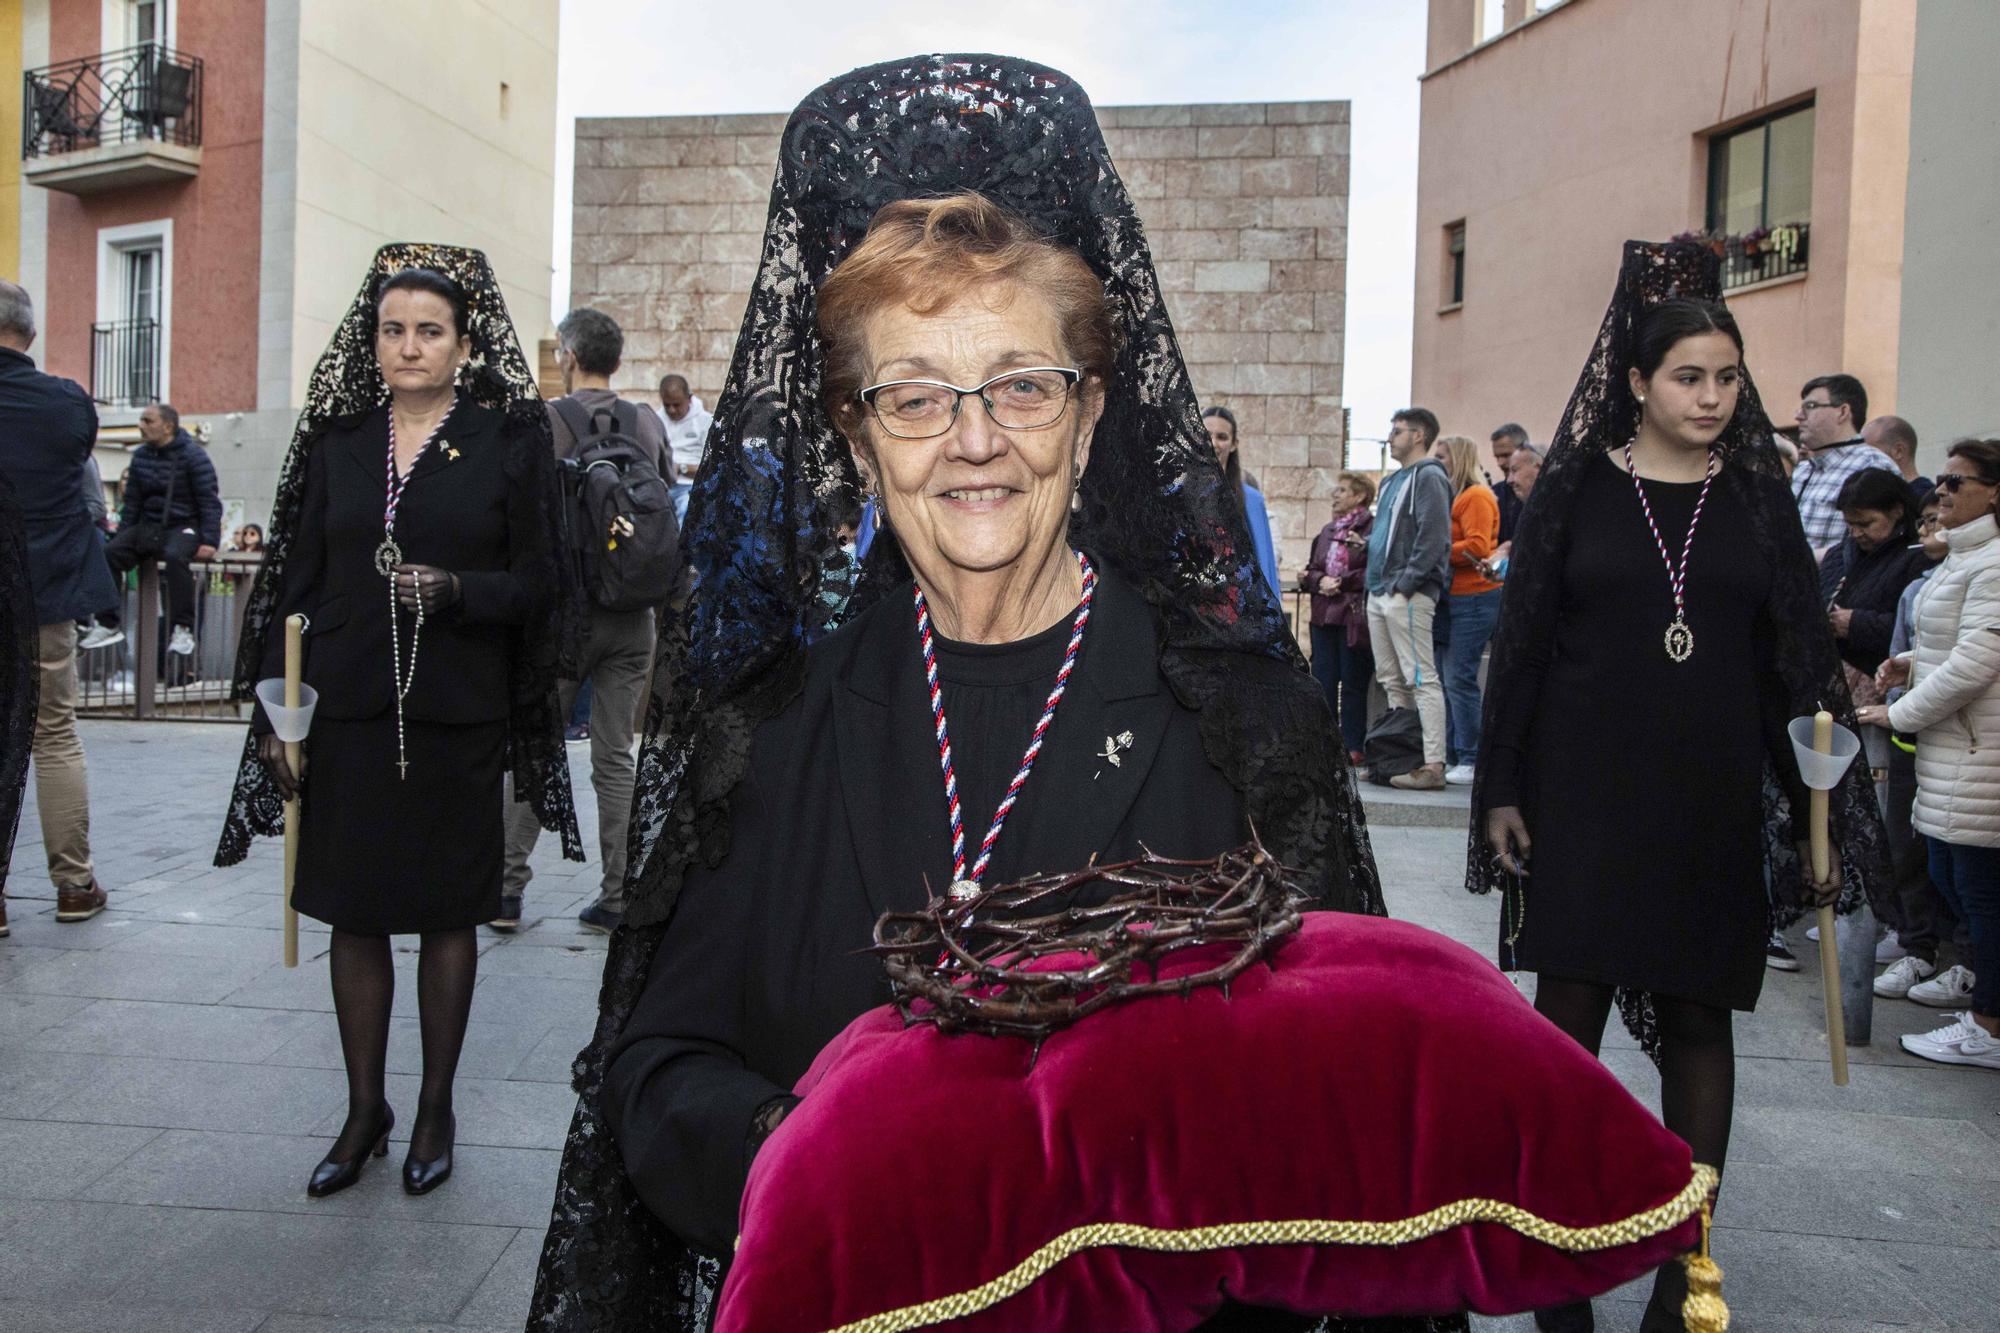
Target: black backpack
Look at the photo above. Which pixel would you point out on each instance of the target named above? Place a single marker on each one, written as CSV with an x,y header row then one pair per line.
x,y
619,513
1394,745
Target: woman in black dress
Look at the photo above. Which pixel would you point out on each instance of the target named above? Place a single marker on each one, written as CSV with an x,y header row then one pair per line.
x,y
1652,652
997,357
413,531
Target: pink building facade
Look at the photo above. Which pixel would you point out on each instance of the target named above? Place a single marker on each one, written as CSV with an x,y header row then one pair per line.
x,y
1781,129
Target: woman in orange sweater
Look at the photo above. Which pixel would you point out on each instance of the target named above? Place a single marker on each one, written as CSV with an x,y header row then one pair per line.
x,y
1473,607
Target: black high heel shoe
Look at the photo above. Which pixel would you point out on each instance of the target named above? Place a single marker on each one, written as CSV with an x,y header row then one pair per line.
x,y
421,1177
331,1177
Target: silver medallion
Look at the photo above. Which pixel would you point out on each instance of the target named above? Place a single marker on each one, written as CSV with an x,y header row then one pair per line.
x,y
961,890
1680,641
387,556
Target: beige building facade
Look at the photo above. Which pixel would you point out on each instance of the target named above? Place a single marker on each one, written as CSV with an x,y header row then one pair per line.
x,y
1781,130
1245,207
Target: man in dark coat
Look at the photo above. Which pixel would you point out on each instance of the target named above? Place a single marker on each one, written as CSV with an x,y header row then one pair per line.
x,y
172,512
47,429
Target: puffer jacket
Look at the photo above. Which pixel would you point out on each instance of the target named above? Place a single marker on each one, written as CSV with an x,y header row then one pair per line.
x,y
1953,703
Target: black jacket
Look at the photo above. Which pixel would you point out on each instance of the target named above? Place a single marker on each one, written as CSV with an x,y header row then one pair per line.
x,y
1870,585
47,427
472,505
842,817
173,484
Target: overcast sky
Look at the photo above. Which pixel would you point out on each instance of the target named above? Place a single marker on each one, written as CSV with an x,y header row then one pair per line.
x,y
642,57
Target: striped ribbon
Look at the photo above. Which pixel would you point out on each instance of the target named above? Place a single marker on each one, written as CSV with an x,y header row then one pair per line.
x,y
1676,577
1034,749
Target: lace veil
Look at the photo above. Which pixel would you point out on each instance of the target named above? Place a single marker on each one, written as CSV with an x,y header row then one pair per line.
x,y
761,537
347,381
20,677
1601,415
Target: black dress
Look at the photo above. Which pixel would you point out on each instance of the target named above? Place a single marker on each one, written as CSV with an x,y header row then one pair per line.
x,y
1641,778
380,854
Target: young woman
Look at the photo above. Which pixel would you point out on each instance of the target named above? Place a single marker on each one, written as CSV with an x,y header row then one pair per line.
x,y
1953,674
1336,574
1472,607
1662,624
1221,424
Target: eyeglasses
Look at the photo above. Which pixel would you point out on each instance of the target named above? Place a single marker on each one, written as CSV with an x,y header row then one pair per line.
x,y
922,409
1810,406
1951,481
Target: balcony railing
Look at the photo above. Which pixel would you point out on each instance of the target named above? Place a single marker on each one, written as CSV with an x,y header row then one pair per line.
x,y
147,91
125,362
1758,256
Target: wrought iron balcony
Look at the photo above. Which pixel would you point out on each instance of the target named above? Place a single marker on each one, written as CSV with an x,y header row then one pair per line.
x,y
119,118
125,362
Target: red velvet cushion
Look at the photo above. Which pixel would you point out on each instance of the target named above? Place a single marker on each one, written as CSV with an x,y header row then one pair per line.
x,y
1377,1073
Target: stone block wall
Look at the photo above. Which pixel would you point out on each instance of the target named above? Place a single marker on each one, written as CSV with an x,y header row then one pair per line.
x,y
1245,207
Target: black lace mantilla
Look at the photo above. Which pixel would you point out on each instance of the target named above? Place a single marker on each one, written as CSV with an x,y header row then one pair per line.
x,y
761,537
20,676
1601,415
347,382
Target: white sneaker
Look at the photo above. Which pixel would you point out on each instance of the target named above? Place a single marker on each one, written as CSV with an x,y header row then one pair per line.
x,y
1904,973
1458,775
1889,948
1948,990
1964,1042
182,642
99,636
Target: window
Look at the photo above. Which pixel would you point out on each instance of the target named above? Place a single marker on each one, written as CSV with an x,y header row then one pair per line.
x,y
146,21
130,340
1492,19
1454,265
1760,175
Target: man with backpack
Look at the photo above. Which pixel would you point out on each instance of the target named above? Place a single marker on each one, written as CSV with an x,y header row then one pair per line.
x,y
623,545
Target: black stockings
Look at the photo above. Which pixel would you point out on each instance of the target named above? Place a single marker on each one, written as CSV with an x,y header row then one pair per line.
x,y
1697,1086
364,987
446,969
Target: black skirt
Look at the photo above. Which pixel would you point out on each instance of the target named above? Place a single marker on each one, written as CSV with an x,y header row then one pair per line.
x,y
383,856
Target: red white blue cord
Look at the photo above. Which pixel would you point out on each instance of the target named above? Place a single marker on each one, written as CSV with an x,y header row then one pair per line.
x,y
958,873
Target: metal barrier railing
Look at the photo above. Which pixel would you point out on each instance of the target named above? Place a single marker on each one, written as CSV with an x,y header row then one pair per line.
x,y
141,678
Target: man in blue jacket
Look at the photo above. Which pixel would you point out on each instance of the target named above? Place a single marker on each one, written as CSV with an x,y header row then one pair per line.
x,y
172,512
47,429
1409,569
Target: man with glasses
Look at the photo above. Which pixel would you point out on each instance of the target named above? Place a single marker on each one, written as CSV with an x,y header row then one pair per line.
x,y
1831,410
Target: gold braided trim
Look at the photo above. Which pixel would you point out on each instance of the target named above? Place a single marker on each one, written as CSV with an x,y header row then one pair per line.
x,y
1307,1231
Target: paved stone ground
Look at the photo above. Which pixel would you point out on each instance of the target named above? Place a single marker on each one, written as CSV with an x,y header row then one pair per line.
x,y
166,1085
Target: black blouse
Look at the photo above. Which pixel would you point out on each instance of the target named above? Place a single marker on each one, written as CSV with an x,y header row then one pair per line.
x,y
842,817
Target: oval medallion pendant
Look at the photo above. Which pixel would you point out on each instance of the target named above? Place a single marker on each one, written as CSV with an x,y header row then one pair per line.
x,y
961,890
387,556
1680,641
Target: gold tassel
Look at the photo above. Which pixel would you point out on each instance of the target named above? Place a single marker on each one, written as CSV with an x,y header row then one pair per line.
x,y
1704,1310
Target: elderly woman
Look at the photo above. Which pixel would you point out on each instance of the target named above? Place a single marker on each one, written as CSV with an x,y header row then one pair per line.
x,y
1059,553
412,529
1952,700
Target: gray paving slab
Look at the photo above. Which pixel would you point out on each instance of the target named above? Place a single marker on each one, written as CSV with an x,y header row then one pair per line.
x,y
65,1250
102,1316
45,1159
177,1031
267,1173
196,1094
502,1299
140,976
369,1267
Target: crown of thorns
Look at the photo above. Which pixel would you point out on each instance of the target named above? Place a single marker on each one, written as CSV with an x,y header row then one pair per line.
x,y
991,964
